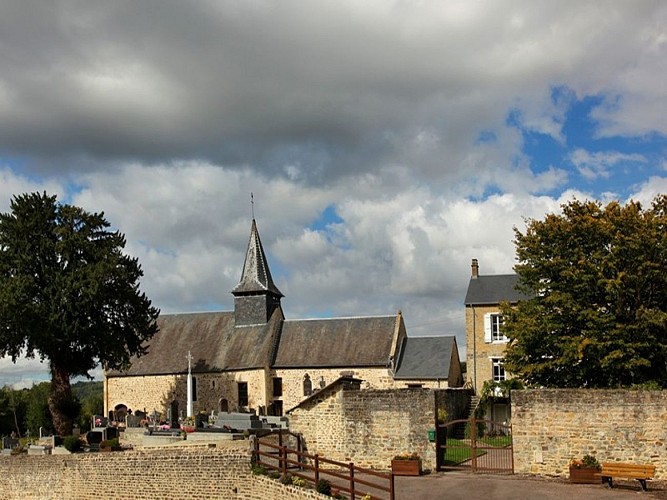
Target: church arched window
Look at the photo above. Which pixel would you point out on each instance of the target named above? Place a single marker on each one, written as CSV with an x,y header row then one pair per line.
x,y
307,385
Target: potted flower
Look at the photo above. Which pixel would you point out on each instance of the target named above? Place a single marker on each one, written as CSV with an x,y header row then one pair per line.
x,y
585,470
406,464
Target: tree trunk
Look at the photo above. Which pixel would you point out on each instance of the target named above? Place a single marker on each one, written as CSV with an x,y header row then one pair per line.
x,y
60,400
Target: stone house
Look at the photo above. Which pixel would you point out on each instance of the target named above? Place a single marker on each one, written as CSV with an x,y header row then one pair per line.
x,y
485,341
253,359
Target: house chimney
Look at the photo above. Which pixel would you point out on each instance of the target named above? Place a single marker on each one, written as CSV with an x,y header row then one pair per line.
x,y
475,268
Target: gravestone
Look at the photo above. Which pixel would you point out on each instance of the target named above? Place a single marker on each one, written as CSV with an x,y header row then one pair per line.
x,y
94,438
173,415
238,421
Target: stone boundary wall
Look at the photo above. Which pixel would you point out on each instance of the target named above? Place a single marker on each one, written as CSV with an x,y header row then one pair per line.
x,y
369,427
552,426
168,473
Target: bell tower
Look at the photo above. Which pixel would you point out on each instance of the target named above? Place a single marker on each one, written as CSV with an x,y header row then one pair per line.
x,y
256,296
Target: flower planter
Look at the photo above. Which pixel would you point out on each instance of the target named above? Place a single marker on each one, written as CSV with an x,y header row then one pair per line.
x,y
406,467
584,475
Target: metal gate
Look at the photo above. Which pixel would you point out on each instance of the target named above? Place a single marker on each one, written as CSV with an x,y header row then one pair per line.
x,y
475,445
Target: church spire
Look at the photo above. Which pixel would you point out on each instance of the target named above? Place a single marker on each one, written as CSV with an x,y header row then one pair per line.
x,y
256,296
256,277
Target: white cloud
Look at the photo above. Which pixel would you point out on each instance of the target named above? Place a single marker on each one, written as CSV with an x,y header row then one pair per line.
x,y
599,164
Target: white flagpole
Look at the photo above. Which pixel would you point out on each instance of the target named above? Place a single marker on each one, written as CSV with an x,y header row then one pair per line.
x,y
189,411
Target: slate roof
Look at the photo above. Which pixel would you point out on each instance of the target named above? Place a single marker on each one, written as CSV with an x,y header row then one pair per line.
x,y
215,345
338,342
425,358
256,276
493,290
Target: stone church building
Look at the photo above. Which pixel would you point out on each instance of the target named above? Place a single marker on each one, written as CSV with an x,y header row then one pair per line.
x,y
253,359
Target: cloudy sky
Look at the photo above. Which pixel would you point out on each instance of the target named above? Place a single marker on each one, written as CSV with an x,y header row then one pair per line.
x,y
387,143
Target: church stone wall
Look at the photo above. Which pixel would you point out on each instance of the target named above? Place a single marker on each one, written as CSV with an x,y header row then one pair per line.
x,y
167,474
156,392
373,378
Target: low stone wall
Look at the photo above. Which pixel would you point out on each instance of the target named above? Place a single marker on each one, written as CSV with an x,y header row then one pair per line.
x,y
550,427
173,473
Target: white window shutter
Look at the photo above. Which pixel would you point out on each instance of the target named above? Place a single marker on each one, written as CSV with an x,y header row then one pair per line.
x,y
487,328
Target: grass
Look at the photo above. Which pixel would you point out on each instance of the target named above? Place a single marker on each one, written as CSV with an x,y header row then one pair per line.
x,y
458,451
497,441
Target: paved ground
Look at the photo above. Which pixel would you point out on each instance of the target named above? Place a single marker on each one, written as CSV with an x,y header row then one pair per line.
x,y
463,486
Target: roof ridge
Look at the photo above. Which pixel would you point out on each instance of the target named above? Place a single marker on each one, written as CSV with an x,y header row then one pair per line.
x,y
342,317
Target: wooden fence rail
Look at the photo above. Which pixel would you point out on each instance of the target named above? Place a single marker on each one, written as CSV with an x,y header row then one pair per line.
x,y
348,477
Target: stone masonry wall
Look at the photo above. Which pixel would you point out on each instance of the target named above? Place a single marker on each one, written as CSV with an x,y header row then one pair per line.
x,y
164,473
373,378
156,392
478,352
552,426
369,427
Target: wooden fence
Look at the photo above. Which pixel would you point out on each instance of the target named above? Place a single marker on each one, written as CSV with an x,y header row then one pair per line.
x,y
345,478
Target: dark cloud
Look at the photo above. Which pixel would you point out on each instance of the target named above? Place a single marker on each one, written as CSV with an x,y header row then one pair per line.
x,y
313,91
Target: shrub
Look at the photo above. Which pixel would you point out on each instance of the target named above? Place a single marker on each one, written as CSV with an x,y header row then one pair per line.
x,y
258,470
114,444
286,478
323,486
72,444
298,481
588,461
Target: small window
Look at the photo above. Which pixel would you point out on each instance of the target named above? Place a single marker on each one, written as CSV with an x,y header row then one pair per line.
x,y
307,385
493,328
496,328
277,387
243,393
415,386
498,369
194,388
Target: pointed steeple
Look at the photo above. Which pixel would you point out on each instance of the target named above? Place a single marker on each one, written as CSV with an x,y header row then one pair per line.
x,y
256,296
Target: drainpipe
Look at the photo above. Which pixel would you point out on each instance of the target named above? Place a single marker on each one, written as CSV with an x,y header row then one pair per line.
x,y
474,350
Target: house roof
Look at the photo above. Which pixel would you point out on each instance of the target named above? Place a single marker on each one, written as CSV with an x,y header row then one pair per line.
x,y
493,290
363,341
256,276
425,358
213,341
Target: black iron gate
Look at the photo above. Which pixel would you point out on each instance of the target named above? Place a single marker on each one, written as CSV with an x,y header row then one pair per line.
x,y
475,445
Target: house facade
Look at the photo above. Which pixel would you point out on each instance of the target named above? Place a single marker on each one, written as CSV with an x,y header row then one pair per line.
x,y
485,339
253,359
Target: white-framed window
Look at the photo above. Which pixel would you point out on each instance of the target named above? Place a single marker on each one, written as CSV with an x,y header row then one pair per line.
x,y
493,328
498,369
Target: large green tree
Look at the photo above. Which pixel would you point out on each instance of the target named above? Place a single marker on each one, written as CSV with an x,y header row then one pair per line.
x,y
598,318
69,295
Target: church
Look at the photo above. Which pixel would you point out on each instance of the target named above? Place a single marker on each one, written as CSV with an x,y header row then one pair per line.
x,y
253,359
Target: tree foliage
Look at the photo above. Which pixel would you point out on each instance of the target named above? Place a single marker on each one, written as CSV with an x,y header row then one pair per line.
x,y
68,294
598,318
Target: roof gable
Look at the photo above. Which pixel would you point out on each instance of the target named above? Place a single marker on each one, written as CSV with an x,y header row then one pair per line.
x,y
494,289
425,358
